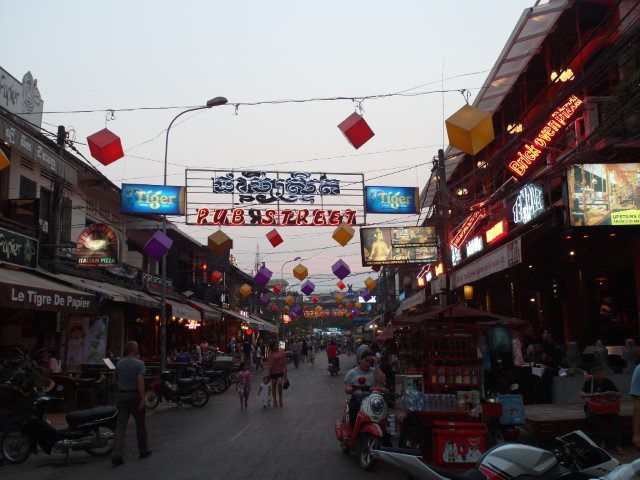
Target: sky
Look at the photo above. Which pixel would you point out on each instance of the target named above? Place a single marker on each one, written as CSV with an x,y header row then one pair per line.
x,y
117,54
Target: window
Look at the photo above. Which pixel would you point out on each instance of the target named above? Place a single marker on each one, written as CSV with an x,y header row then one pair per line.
x,y
45,204
28,188
65,228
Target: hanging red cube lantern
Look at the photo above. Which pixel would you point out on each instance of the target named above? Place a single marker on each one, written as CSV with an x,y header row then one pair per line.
x,y
216,276
356,129
314,299
105,146
341,285
305,308
274,238
277,288
376,268
274,308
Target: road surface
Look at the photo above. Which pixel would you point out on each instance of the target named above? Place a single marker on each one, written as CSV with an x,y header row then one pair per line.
x,y
222,442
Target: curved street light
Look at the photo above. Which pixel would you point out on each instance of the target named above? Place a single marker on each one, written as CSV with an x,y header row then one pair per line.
x,y
214,102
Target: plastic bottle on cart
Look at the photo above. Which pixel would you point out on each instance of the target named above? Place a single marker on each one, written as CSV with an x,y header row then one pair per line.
x,y
458,378
466,377
474,377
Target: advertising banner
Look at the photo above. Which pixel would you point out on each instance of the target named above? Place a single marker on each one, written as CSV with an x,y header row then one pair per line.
x,y
398,245
97,246
602,194
142,198
87,342
268,198
391,199
17,249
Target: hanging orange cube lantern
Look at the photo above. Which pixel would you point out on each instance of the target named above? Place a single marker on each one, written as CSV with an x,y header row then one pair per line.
x,y
219,243
338,297
470,129
245,290
4,161
356,130
300,272
343,234
290,300
370,283
105,146
318,309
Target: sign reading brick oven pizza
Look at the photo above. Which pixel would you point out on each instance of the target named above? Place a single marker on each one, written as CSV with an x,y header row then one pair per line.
x,y
267,198
97,246
529,156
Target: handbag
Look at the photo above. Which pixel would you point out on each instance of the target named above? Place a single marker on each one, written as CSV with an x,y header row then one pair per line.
x,y
602,406
286,383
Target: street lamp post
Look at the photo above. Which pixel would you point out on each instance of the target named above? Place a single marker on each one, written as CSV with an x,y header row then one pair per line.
x,y
214,102
282,278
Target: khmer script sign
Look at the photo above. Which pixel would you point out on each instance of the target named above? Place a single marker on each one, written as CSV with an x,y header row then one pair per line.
x,y
222,197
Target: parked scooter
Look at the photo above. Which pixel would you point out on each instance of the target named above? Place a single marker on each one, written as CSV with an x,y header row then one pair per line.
x,y
577,458
193,390
217,380
91,430
370,430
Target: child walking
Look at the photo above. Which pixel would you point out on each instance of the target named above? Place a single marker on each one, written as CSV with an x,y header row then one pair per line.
x,y
243,386
264,392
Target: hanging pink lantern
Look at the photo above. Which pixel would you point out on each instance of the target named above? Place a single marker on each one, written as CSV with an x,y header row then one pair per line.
x,y
356,129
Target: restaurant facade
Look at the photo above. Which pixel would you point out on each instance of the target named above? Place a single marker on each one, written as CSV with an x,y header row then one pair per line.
x,y
544,222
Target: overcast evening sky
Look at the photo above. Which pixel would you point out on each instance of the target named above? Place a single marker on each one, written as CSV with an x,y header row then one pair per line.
x,y
97,55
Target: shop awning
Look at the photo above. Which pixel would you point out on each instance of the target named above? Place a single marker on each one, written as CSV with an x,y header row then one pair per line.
x,y
387,333
112,292
257,323
458,313
182,310
207,312
20,289
264,325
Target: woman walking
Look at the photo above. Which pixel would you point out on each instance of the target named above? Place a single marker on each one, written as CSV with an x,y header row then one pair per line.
x,y
277,365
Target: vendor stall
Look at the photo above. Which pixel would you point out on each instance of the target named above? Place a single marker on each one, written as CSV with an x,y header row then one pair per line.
x,y
443,355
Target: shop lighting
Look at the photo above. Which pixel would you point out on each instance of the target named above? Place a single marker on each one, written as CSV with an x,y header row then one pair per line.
x,y
462,191
157,318
568,237
482,164
585,236
564,76
612,234
532,300
514,128
530,266
572,253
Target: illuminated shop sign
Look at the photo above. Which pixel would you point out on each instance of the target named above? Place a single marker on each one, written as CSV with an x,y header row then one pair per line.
x,y
192,324
391,200
467,227
141,198
97,247
271,198
439,269
530,153
456,256
528,205
288,217
474,246
496,231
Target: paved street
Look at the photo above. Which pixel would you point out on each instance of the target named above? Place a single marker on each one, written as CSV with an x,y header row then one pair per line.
x,y
220,441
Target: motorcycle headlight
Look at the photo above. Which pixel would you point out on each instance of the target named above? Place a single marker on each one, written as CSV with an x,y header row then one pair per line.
x,y
377,405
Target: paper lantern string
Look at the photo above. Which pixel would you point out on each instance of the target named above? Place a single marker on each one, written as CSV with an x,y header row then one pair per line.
x,y
110,116
466,94
359,107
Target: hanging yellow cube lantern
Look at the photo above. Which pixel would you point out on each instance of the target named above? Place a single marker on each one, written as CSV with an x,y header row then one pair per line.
x,y
318,309
4,161
470,129
245,290
219,243
338,297
289,300
343,233
358,305
370,283
300,272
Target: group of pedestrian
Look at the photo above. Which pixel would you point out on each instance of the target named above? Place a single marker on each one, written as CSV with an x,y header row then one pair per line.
x,y
304,350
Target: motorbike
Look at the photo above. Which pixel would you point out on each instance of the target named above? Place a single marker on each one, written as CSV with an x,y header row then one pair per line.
x,y
577,458
370,430
334,366
91,430
192,390
217,380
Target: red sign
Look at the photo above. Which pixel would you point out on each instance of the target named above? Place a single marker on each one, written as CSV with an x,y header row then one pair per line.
x,y
192,324
287,217
530,153
467,227
496,231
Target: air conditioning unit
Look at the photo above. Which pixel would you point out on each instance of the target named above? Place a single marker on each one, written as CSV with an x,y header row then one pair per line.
x,y
590,119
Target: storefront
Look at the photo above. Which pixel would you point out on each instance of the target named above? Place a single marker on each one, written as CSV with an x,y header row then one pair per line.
x,y
34,310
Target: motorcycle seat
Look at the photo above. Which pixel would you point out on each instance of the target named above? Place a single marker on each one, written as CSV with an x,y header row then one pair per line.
x,y
185,382
471,474
89,415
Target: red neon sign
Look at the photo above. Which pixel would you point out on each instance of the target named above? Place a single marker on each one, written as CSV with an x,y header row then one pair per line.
x,y
467,227
252,217
497,231
530,153
192,324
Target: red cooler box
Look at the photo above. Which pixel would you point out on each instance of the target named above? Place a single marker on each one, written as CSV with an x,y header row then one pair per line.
x,y
458,445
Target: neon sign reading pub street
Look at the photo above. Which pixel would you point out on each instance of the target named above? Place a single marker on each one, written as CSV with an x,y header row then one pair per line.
x,y
286,217
529,155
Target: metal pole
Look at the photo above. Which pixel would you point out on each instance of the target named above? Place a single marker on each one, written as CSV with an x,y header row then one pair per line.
x,y
443,220
163,287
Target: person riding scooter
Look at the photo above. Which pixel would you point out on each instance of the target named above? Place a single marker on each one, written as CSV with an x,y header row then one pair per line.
x,y
332,355
366,373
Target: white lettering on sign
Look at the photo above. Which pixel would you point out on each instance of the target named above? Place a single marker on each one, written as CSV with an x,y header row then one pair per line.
x,y
474,246
529,204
